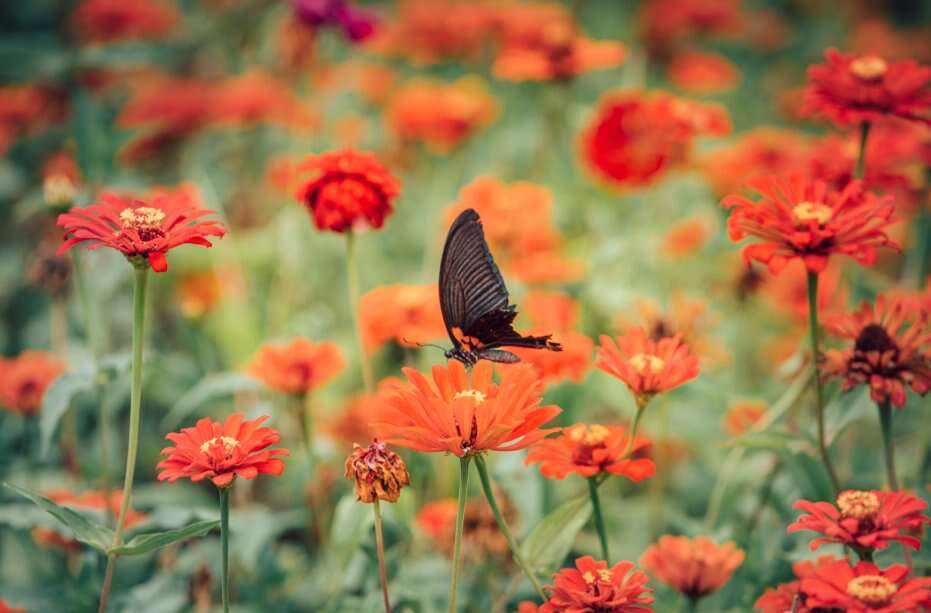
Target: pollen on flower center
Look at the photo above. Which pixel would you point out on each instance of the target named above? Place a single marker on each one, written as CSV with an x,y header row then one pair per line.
x,y
605,575
229,443
477,395
808,211
858,504
869,67
874,590
589,435
142,218
588,578
647,362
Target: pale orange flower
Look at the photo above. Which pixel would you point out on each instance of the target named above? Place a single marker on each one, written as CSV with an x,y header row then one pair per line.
x,y
256,97
199,292
353,422
25,378
700,73
405,314
694,567
297,367
743,415
688,236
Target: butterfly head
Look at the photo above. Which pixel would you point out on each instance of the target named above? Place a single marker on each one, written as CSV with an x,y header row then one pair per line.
x,y
463,355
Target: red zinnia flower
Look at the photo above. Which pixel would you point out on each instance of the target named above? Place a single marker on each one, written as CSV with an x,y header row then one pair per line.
x,y
109,21
139,229
864,520
24,379
849,89
591,450
694,567
865,588
348,189
297,367
222,452
463,414
592,586
647,366
799,219
781,598
891,349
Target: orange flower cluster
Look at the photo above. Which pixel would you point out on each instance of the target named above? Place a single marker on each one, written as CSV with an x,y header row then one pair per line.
x,y
694,567
24,379
440,115
590,450
405,314
378,473
297,367
700,74
110,21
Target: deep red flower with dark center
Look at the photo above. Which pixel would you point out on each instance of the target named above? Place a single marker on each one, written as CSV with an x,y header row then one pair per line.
x,y
591,450
865,588
140,229
593,587
850,88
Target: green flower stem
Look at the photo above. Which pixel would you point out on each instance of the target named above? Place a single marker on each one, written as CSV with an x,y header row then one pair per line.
x,y
599,520
819,391
460,517
502,525
861,155
690,605
885,421
641,406
225,546
140,285
380,551
352,283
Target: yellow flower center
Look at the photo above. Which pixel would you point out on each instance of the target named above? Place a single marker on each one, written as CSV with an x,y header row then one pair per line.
x,y
646,362
858,504
808,211
589,435
477,395
229,443
58,189
605,575
874,590
142,218
588,578
869,67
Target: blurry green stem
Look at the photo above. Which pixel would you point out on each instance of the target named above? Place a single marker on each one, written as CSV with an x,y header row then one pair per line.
x,y
460,517
690,605
58,330
140,284
885,422
599,520
502,525
380,551
819,391
861,154
225,546
641,406
352,282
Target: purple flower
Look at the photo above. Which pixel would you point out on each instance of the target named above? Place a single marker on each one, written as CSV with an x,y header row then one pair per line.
x,y
357,24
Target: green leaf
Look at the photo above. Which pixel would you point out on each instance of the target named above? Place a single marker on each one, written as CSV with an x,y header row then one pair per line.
x,y
809,475
56,402
771,439
150,541
209,388
84,530
549,542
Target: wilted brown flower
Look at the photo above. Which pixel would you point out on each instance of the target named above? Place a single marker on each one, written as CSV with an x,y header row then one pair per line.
x,y
378,472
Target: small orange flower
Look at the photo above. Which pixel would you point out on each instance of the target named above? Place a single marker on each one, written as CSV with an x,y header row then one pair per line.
x,y
591,450
700,74
110,21
545,266
297,367
353,422
347,189
592,586
741,416
759,152
378,472
405,314
687,237
865,588
92,501
693,567
199,292
800,219
24,379
24,108
222,451
467,414
255,97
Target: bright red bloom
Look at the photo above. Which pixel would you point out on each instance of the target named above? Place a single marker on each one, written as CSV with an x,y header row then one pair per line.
x,y
864,520
796,218
347,189
222,452
700,74
24,379
891,349
109,21
694,567
591,450
592,586
466,414
865,588
647,366
634,137
140,229
849,89
297,367
781,598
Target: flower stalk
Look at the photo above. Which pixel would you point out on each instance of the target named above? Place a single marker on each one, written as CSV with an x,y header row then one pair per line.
x,y
225,546
599,519
352,283
885,422
380,552
460,519
861,154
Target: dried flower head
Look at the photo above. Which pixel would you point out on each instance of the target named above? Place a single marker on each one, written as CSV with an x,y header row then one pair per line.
x,y
378,472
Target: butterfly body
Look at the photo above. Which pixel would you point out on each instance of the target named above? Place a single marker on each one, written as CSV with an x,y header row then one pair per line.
x,y
474,299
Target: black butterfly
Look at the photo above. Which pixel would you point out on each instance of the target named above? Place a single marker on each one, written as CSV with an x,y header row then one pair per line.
x,y
474,300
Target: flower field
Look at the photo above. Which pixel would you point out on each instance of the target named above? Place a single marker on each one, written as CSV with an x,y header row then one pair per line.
x,y
465,306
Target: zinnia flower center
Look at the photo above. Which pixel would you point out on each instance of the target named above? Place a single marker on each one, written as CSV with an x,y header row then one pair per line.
x,y
869,67
589,435
646,362
858,504
470,393
812,211
228,443
874,338
146,220
873,590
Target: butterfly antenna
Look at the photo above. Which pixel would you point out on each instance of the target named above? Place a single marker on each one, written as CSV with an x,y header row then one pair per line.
x,y
416,344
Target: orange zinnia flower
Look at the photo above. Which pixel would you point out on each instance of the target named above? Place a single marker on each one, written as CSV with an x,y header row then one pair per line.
x,y
703,73
405,314
297,367
687,237
347,189
865,588
648,367
24,379
759,152
467,414
222,451
741,416
891,350
569,364
592,450
693,567
109,21
592,586
554,311
255,97
353,422
796,218
199,292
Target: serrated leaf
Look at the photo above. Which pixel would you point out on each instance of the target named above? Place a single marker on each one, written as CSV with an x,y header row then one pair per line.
x,y
150,541
549,542
56,402
209,388
84,529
